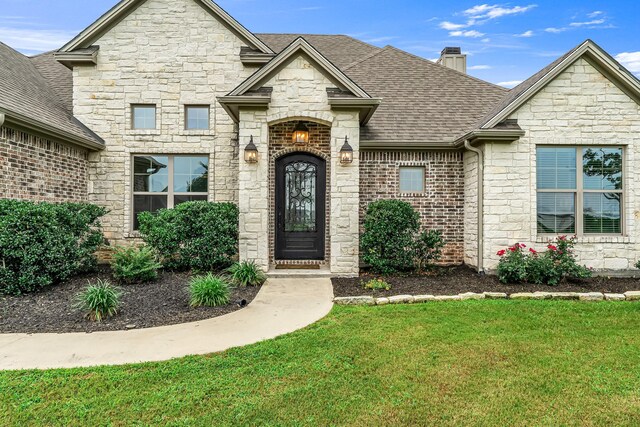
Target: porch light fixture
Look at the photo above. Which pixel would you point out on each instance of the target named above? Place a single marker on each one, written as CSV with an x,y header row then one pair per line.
x,y
251,152
301,134
346,152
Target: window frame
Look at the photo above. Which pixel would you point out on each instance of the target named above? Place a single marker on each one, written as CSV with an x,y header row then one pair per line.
x,y
422,168
133,117
186,117
579,191
170,193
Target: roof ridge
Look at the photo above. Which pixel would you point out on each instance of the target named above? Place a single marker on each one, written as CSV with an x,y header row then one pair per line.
x,y
431,63
366,57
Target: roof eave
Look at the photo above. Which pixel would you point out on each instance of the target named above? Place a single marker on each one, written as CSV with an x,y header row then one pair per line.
x,y
71,59
232,104
367,106
481,136
31,125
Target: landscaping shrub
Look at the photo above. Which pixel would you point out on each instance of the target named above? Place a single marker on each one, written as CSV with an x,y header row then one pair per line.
x,y
555,265
638,264
377,285
196,235
99,301
209,291
42,244
387,243
246,273
135,265
428,249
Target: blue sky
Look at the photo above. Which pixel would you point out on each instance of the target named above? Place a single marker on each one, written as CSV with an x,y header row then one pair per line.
x,y
506,42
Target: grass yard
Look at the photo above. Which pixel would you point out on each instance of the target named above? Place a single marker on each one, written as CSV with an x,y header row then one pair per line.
x,y
463,363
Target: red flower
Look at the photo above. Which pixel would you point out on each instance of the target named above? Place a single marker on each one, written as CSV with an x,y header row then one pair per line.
x,y
502,252
563,238
513,248
533,251
552,248
522,245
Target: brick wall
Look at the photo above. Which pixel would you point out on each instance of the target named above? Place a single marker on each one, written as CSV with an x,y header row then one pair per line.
x,y
441,206
33,168
280,144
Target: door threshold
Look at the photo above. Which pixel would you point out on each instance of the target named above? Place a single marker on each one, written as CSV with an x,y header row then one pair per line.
x,y
297,266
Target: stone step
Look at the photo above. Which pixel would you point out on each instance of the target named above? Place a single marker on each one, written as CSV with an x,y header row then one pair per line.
x,y
299,273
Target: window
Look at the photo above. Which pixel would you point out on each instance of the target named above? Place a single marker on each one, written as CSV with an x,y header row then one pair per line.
x,y
143,116
411,179
579,190
197,117
161,182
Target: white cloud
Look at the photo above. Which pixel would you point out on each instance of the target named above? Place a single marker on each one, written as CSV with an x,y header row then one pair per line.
x,y
555,30
510,84
450,26
470,33
34,41
595,13
525,34
487,40
480,67
630,60
485,11
584,24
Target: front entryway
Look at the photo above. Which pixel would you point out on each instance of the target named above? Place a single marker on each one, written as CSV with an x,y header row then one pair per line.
x,y
300,207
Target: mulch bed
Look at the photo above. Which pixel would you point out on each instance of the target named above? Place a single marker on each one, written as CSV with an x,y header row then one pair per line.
x,y
462,279
165,302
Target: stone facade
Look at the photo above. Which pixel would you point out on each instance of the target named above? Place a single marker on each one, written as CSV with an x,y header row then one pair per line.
x,y
471,208
441,206
580,107
34,168
171,54
300,93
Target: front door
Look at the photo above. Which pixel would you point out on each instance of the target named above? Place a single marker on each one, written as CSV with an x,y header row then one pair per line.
x,y
300,207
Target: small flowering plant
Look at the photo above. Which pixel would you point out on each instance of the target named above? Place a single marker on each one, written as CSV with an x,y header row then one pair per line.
x,y
555,265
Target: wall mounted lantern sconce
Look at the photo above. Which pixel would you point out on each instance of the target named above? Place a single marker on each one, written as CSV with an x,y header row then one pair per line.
x,y
251,152
346,152
301,134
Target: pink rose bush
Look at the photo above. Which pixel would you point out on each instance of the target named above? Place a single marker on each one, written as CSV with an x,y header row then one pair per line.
x,y
555,265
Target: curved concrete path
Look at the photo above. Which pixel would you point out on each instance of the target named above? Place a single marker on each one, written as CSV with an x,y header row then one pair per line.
x,y
281,306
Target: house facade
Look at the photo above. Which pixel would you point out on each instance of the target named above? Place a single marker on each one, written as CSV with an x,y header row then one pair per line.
x,y
162,102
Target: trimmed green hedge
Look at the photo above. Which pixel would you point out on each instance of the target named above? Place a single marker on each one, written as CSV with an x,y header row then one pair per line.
x,y
201,236
42,244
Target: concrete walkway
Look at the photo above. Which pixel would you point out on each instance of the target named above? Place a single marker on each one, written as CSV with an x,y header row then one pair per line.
x,y
281,306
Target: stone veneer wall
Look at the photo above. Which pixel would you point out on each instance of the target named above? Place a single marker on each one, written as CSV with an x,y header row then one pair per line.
x,y
441,206
169,53
471,208
34,168
280,144
580,107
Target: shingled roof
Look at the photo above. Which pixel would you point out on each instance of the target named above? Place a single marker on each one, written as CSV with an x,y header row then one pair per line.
x,y
423,102
27,96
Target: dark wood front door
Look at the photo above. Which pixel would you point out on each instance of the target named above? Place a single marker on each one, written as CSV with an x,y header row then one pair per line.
x,y
300,207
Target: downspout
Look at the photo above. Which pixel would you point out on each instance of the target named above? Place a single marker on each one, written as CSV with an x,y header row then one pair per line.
x,y
480,154
2,118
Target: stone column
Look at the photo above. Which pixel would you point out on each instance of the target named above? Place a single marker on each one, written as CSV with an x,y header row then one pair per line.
x,y
253,182
345,197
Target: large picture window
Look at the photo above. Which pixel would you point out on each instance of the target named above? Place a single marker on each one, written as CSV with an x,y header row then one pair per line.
x,y
580,190
161,182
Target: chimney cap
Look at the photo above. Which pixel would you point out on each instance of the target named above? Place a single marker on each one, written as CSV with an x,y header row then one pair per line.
x,y
451,51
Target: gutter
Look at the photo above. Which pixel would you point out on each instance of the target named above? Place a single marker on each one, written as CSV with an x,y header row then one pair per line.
x,y
480,154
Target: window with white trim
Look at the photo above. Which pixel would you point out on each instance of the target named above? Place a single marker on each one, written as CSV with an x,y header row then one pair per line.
x,y
580,190
411,179
163,182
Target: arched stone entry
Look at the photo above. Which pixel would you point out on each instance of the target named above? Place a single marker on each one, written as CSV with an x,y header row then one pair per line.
x,y
281,146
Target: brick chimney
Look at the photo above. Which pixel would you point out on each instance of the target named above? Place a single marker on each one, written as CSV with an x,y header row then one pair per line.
x,y
452,57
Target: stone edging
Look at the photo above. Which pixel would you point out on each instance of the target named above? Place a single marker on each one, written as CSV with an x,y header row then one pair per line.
x,y
411,299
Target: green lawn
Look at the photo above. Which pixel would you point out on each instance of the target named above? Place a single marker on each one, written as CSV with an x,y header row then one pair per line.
x,y
487,363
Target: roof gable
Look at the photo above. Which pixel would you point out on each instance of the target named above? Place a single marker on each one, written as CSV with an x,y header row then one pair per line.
x,y
592,53
297,47
121,10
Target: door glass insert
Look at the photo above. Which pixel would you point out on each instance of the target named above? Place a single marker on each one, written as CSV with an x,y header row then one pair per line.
x,y
300,197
